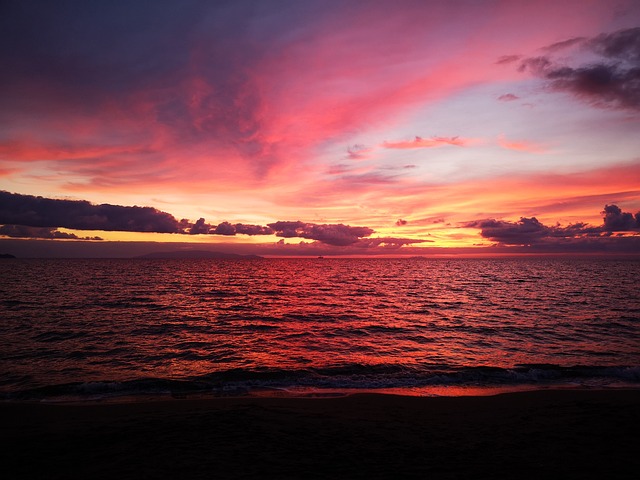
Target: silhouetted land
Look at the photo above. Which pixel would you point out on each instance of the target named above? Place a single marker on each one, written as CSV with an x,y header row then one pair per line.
x,y
6,255
196,254
543,434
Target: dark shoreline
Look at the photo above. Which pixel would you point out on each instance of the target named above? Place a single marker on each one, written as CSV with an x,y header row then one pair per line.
x,y
550,433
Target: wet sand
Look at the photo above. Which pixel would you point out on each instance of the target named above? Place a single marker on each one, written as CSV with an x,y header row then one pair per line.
x,y
541,434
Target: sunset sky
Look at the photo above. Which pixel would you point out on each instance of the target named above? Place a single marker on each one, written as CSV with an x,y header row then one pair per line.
x,y
320,127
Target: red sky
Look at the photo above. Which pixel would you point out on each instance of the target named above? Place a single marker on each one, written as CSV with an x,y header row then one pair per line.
x,y
378,126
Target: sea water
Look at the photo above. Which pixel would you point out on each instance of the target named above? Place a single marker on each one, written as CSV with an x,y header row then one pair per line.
x,y
104,328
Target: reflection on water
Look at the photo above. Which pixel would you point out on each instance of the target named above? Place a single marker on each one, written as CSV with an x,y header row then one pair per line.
x,y
332,322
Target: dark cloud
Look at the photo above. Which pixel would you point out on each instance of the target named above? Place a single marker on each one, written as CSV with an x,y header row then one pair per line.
x,y
530,231
49,214
400,222
622,45
226,228
21,231
508,97
88,52
288,229
34,211
243,229
604,85
187,67
615,220
612,82
386,242
200,227
332,234
524,231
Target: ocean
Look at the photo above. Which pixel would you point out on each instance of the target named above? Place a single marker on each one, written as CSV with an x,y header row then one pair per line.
x,y
105,329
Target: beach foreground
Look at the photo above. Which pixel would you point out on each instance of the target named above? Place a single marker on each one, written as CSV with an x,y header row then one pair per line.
x,y
563,433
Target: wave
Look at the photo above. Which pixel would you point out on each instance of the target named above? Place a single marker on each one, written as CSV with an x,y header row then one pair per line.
x,y
353,377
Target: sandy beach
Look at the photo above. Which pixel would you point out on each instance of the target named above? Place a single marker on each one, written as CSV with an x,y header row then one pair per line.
x,y
553,434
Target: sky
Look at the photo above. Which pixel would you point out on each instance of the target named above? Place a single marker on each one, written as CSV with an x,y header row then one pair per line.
x,y
319,127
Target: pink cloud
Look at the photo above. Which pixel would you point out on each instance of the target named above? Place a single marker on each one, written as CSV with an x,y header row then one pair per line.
x,y
573,196
568,197
508,59
235,103
432,142
7,171
521,145
358,152
26,150
508,97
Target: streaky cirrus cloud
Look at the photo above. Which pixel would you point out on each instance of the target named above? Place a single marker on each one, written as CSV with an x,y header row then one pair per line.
x,y
612,82
561,45
358,152
520,145
508,97
245,91
419,142
30,149
507,59
528,231
278,109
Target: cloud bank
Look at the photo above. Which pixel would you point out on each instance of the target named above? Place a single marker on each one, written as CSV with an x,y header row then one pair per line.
x,y
29,210
226,228
338,235
22,231
530,231
21,213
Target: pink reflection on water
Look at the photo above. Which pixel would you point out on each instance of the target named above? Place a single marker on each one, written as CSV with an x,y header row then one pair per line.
x,y
431,391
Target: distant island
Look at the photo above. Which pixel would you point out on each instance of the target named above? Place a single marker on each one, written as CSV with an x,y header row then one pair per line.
x,y
7,255
196,254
